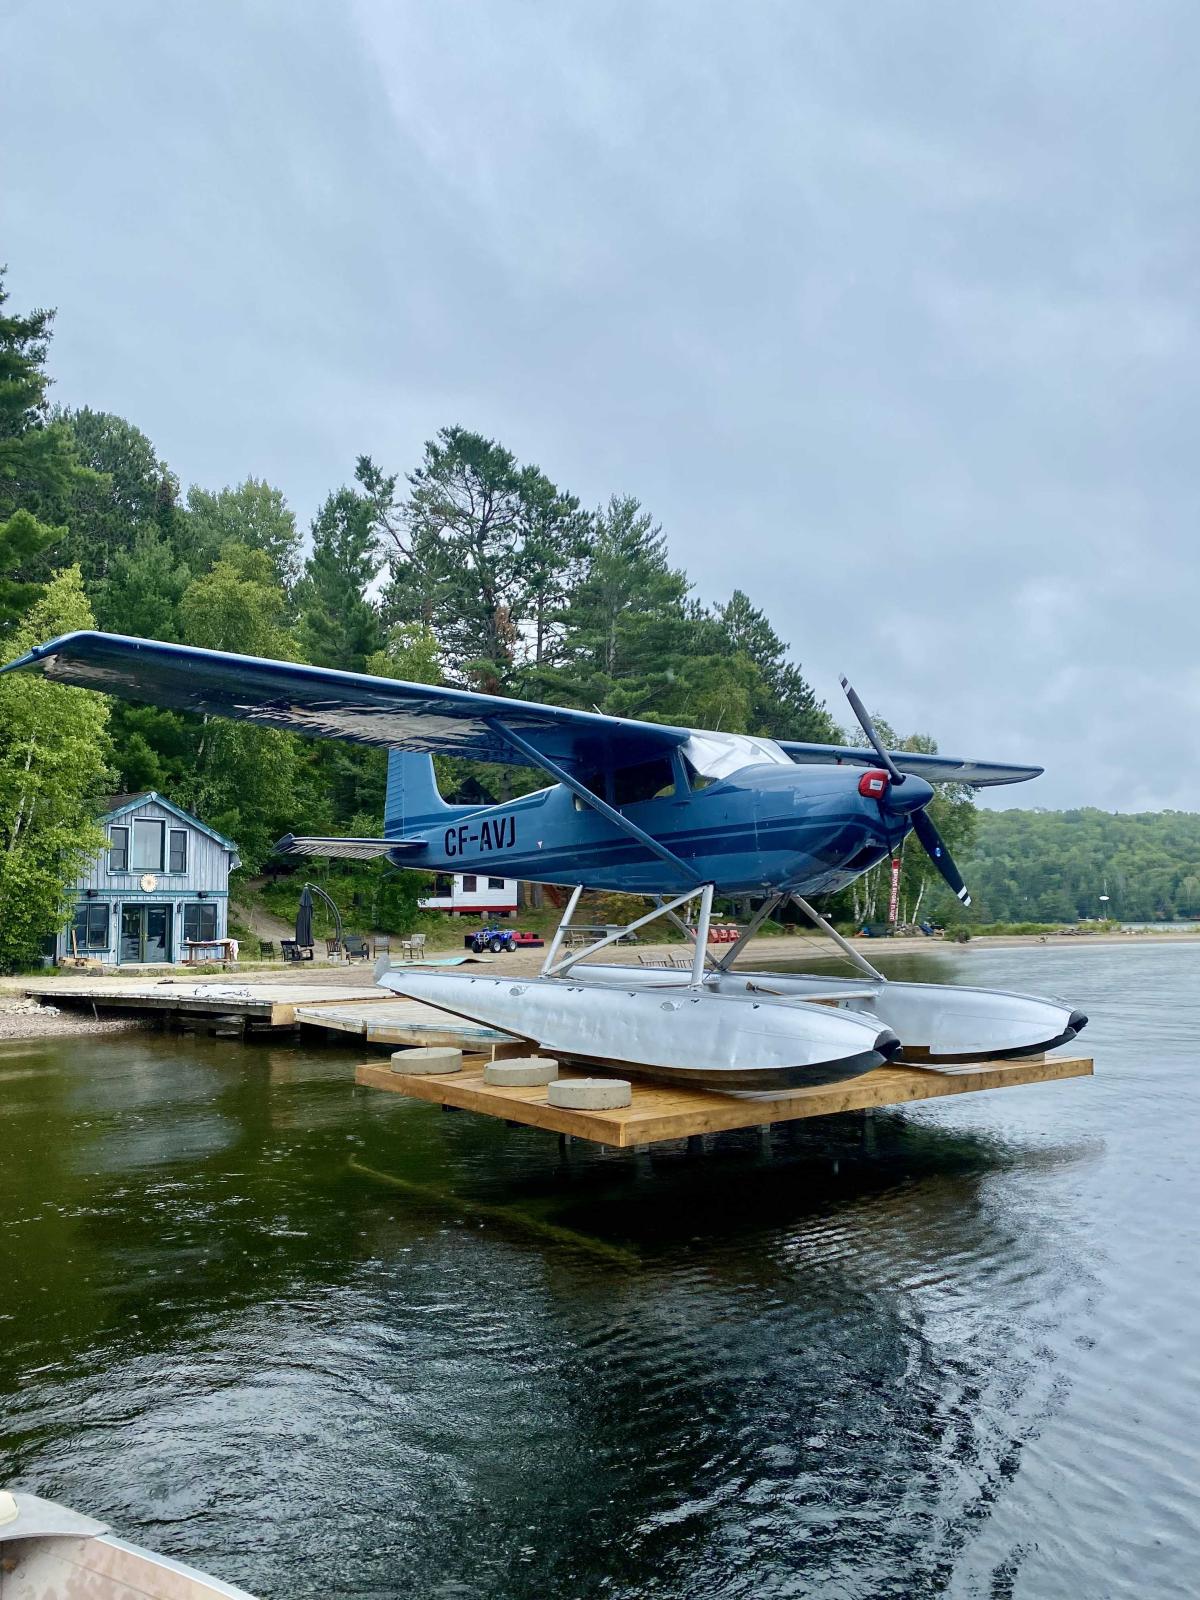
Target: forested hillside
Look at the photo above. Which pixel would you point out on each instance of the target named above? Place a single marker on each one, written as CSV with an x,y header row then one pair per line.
x,y
1053,866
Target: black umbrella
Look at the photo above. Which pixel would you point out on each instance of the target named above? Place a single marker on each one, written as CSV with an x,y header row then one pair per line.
x,y
304,931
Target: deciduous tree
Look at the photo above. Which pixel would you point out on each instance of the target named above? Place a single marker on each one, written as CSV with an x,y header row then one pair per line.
x,y
53,770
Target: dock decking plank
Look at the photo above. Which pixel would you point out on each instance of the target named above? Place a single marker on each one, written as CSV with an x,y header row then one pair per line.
x,y
660,1112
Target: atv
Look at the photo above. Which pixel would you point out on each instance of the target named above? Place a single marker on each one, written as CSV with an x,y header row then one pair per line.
x,y
494,939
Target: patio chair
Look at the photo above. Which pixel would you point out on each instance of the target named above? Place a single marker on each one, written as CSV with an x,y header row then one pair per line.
x,y
266,949
356,947
412,947
291,951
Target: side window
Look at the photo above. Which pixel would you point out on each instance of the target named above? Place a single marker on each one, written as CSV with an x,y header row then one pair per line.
x,y
469,882
647,781
118,850
91,926
177,862
495,883
148,845
200,921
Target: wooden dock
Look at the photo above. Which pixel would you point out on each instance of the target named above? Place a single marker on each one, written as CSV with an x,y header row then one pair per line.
x,y
375,1015
660,1112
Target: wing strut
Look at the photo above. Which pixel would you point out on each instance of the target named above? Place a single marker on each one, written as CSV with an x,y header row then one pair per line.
x,y
569,781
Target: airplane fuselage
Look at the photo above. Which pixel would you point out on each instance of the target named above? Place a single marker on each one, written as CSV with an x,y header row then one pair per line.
x,y
766,828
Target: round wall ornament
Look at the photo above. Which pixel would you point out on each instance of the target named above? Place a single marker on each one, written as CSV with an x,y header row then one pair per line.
x,y
148,883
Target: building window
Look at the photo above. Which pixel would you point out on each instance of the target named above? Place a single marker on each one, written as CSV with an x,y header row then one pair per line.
x,y
495,883
148,845
178,857
90,927
200,922
469,883
118,850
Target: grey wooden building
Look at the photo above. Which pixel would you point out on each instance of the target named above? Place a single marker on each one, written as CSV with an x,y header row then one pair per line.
x,y
162,881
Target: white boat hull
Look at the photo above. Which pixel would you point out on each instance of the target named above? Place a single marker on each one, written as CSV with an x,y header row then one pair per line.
x,y
730,1041
48,1552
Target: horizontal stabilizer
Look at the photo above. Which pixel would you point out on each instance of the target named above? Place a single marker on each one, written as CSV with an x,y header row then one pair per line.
x,y
344,849
933,768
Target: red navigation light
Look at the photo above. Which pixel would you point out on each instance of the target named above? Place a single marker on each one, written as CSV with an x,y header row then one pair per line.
x,y
873,784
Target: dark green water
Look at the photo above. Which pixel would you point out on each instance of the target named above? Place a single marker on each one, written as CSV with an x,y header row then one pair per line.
x,y
965,1363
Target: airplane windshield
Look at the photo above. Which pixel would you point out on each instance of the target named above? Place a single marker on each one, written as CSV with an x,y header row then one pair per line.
x,y
720,755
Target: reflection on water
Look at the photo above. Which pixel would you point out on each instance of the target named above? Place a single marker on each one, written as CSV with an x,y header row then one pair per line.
x,y
322,1341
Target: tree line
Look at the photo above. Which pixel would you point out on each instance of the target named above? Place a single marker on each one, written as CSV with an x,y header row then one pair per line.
x,y
1054,866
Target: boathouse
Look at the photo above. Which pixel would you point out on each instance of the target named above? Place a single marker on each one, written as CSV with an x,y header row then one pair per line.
x,y
161,883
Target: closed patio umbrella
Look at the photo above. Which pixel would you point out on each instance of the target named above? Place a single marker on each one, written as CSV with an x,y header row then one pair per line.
x,y
304,920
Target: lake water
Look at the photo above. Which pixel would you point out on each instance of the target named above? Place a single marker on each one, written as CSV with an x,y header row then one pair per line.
x,y
323,1342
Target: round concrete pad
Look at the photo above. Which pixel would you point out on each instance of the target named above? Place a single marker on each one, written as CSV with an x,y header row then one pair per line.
x,y
521,1072
590,1094
427,1060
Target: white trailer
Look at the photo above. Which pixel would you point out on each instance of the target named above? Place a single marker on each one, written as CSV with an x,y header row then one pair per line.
x,y
472,894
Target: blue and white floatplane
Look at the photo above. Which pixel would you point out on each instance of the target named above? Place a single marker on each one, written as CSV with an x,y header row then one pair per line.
x,y
677,814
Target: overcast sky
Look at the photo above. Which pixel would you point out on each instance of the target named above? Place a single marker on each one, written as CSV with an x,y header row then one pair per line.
x,y
886,310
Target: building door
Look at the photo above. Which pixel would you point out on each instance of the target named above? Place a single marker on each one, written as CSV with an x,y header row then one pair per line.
x,y
145,933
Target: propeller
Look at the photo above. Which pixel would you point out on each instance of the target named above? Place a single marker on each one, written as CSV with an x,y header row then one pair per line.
x,y
931,841
930,838
868,727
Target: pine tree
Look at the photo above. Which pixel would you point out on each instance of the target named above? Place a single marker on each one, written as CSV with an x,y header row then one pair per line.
x,y
37,467
786,707
339,626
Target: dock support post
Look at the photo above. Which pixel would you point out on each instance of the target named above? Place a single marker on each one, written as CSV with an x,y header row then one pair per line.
x,y
868,1131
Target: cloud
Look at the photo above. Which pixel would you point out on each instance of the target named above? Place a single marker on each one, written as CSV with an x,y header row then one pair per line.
x,y
886,313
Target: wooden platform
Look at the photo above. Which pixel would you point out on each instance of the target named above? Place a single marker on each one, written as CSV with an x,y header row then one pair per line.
x,y
659,1112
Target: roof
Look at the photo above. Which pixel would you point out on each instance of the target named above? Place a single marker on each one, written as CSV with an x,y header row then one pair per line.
x,y
119,804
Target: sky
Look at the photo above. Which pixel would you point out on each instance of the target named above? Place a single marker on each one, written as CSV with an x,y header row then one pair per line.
x,y
888,311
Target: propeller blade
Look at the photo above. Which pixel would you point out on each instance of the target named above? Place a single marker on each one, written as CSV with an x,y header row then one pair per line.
x,y
868,727
931,841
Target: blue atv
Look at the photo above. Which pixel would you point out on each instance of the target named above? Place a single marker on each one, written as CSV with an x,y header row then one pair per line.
x,y
494,939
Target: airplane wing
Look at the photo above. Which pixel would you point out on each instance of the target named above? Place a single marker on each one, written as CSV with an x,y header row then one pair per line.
x,y
322,703
935,769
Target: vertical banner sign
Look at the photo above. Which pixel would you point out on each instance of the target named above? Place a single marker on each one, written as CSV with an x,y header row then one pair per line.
x,y
894,897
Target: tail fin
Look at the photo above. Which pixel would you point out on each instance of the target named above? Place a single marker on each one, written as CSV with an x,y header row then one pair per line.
x,y
412,799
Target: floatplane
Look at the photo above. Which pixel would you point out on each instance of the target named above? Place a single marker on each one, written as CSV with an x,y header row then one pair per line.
x,y
680,815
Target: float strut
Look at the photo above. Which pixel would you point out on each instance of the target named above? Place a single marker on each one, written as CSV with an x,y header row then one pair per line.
x,y
702,924
860,961
564,922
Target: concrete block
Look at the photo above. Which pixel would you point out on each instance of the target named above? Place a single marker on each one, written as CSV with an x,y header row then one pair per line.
x,y
590,1094
521,1072
427,1060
